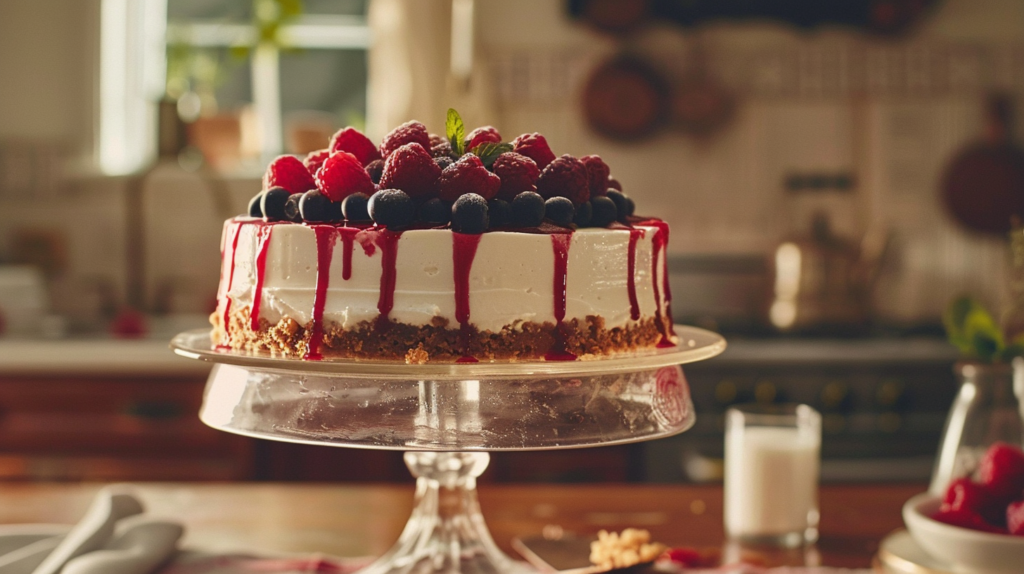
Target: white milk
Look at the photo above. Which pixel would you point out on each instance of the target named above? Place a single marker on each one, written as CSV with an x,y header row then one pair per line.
x,y
771,481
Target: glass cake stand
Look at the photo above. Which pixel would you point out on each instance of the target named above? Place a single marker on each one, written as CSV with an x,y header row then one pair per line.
x,y
448,417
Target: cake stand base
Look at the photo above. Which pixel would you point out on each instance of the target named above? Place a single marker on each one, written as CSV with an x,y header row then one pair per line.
x,y
446,532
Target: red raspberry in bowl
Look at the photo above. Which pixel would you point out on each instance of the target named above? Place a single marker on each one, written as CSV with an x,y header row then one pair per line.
x,y
342,175
411,169
965,518
535,147
485,134
354,142
288,172
468,175
963,494
565,177
1002,471
409,132
315,159
597,174
518,173
1015,518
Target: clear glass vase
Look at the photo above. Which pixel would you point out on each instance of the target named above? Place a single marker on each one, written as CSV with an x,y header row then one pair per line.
x,y
988,408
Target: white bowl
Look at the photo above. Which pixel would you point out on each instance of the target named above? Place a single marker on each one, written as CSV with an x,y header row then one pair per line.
x,y
965,550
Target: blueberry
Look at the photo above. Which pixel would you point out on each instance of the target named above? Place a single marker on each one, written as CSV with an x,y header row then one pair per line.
x,y
620,203
316,207
391,208
443,161
256,205
435,211
499,212
273,202
291,208
559,211
527,209
630,207
604,211
469,214
354,207
583,213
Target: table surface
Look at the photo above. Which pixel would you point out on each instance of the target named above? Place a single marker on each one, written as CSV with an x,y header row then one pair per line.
x,y
357,520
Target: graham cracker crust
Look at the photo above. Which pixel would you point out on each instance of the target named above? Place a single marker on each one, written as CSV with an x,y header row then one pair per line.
x,y
436,342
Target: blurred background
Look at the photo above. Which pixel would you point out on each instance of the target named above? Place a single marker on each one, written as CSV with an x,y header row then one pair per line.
x,y
862,149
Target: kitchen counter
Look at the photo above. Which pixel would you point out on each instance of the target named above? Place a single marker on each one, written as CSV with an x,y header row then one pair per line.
x,y
365,520
149,356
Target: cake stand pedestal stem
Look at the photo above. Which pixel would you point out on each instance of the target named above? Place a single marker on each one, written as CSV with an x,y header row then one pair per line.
x,y
446,532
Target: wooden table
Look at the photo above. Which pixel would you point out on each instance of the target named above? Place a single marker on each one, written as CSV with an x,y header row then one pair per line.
x,y
365,520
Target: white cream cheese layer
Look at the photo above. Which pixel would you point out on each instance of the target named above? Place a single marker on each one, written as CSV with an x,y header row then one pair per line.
x,y
511,281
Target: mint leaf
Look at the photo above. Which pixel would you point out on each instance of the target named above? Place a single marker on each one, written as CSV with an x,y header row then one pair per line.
x,y
455,130
488,152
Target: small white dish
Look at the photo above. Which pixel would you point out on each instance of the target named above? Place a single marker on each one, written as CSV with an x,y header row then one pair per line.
x,y
966,551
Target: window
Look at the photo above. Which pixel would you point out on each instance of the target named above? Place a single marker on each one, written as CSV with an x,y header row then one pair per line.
x,y
281,63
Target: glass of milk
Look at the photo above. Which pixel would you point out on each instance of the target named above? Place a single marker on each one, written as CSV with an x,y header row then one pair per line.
x,y
772,456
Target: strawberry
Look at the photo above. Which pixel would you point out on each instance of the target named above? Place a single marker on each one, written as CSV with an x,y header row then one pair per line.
x,y
486,134
342,175
518,173
315,159
468,175
411,169
962,494
597,174
1015,518
409,132
1002,471
535,147
965,518
354,142
565,177
288,172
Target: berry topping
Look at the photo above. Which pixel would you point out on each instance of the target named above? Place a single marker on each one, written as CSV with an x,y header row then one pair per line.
x,y
620,203
354,142
499,212
443,162
469,214
1015,518
288,172
527,209
354,207
486,134
315,207
435,139
435,212
603,212
407,133
518,173
559,210
535,147
565,177
443,149
468,175
291,208
256,205
315,159
375,169
392,208
1002,471
630,207
411,169
341,176
583,213
614,184
597,174
272,203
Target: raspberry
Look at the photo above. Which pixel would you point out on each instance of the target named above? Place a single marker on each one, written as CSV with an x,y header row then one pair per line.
x,y
468,175
963,494
354,142
288,172
315,159
565,177
443,161
409,132
1002,471
518,173
965,518
597,172
1015,518
486,134
376,169
614,184
342,175
411,169
535,147
442,149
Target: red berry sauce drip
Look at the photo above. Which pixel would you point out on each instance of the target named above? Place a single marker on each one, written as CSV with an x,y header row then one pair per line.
x,y
263,245
326,237
388,242
463,251
233,240
660,242
560,244
634,305
348,236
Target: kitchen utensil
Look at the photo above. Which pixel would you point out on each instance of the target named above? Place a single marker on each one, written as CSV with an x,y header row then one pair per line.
x,y
626,99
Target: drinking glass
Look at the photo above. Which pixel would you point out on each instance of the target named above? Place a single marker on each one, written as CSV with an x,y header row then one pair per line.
x,y
772,460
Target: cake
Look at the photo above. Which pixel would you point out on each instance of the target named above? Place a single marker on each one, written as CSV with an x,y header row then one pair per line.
x,y
430,249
